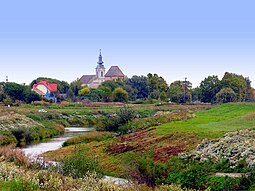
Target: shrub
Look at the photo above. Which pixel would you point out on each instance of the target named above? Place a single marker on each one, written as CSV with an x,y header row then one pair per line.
x,y
6,138
113,122
18,185
142,167
120,95
80,163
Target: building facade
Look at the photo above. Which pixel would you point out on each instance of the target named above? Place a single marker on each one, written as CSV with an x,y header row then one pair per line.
x,y
93,81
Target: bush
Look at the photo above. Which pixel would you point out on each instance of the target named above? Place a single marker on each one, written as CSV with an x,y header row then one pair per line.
x,y
189,174
120,95
114,122
142,167
7,138
18,185
80,163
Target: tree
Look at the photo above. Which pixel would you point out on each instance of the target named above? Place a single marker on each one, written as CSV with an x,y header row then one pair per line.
x,y
209,87
70,95
237,83
96,95
248,91
180,92
152,83
156,85
132,93
112,84
76,86
15,91
139,84
163,96
7,100
32,96
84,91
196,94
120,95
2,96
106,93
226,95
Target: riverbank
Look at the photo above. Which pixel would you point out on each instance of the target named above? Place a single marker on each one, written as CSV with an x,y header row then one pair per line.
x,y
20,175
26,123
151,154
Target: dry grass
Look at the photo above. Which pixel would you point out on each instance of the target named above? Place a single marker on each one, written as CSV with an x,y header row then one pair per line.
x,y
14,155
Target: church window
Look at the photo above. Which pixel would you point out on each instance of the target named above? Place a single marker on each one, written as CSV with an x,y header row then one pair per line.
x,y
102,74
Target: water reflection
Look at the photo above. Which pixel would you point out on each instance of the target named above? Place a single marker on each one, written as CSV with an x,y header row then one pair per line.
x,y
55,143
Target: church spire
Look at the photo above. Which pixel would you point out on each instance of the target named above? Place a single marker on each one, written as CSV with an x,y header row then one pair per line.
x,y
100,58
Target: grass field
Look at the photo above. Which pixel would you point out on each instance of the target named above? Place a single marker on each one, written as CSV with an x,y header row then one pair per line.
x,y
167,139
215,122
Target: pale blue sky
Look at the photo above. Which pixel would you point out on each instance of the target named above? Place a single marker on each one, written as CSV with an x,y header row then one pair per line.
x,y
175,39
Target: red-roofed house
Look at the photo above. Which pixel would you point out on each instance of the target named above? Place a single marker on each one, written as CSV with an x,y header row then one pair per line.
x,y
44,88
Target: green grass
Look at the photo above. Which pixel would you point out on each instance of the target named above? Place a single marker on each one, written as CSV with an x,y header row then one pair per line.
x,y
215,122
17,185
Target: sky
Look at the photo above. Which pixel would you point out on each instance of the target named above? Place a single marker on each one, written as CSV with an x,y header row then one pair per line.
x,y
175,39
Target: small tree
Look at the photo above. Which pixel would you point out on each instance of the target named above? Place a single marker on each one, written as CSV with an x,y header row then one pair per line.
x,y
120,95
7,100
226,95
70,95
163,96
84,91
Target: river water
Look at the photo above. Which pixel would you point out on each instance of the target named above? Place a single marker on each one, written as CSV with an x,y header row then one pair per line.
x,y
55,143
33,151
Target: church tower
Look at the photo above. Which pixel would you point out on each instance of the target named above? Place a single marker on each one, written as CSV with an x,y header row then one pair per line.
x,y
100,69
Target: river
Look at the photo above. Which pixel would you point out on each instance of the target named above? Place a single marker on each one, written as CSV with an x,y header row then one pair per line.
x,y
34,150
55,143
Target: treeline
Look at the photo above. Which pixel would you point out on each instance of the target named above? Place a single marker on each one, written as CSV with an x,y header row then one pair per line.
x,y
231,88
141,89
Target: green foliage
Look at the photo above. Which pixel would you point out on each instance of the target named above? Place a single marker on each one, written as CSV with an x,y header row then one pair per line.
x,y
114,122
163,96
7,138
76,86
209,87
226,95
88,137
14,90
120,95
196,94
84,91
237,83
7,100
142,168
19,92
106,93
248,91
139,84
18,185
70,95
32,96
178,93
80,163
2,95
96,95
112,84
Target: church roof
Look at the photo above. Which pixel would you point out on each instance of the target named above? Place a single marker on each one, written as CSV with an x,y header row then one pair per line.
x,y
114,71
87,79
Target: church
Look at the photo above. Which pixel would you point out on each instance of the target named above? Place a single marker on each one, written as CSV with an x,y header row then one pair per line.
x,y
93,81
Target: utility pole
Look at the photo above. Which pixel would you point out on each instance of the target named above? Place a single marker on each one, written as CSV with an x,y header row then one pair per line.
x,y
185,89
